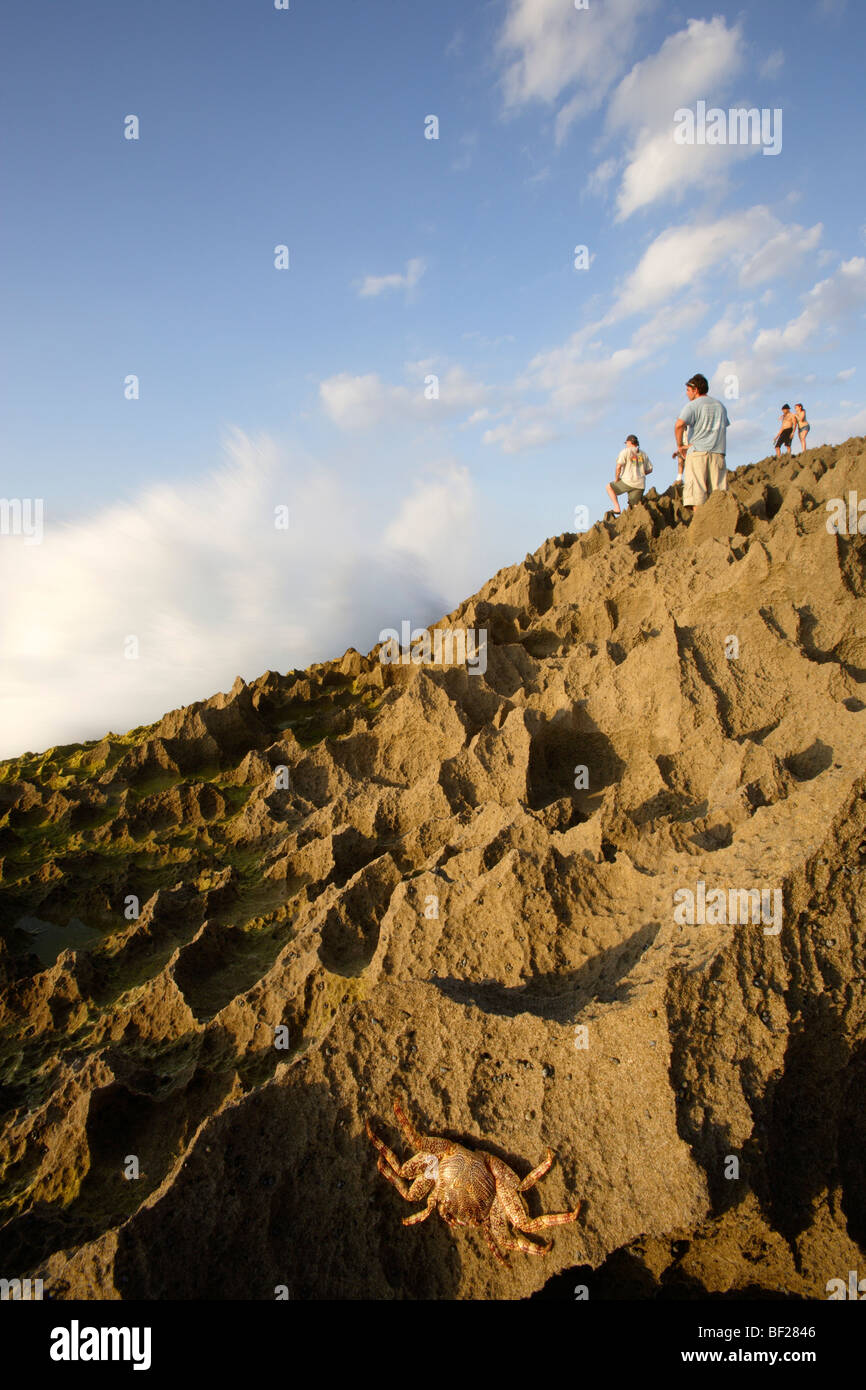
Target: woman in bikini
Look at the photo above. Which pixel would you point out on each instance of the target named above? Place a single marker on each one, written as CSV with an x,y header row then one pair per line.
x,y
803,426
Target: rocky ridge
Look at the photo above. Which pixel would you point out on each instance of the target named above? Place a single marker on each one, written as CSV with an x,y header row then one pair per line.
x,y
402,873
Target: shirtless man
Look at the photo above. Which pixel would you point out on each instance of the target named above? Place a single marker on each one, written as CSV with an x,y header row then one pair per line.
x,y
783,439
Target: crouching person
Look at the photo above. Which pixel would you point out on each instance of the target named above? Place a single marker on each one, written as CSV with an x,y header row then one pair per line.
x,y
632,467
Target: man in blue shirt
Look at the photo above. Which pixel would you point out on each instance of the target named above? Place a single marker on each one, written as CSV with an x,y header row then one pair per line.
x,y
707,419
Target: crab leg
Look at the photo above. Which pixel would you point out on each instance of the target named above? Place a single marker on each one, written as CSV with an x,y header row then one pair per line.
x,y
553,1218
494,1248
527,1246
412,1168
431,1202
411,1133
532,1178
386,1153
512,1206
499,1227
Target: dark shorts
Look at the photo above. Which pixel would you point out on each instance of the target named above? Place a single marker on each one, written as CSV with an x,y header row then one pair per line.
x,y
635,494
784,437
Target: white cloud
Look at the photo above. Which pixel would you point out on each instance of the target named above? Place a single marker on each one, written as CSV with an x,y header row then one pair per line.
x,y
469,144
456,45
846,374
580,377
434,525
658,168
666,326
481,340
550,49
680,256
518,435
781,253
762,362
601,175
698,62
733,332
200,574
676,259
360,402
755,377
691,63
658,415
373,285
835,429
574,382
458,390
827,307
748,432
773,63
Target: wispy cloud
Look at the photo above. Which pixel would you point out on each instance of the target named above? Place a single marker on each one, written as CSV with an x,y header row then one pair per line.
x,y
698,61
360,402
468,147
752,241
522,433
827,305
373,285
480,339
768,359
552,50
773,63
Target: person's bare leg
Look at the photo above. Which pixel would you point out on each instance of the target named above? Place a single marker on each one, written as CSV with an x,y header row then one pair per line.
x,y
614,499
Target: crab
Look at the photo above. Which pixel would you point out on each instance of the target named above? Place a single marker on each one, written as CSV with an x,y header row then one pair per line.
x,y
469,1187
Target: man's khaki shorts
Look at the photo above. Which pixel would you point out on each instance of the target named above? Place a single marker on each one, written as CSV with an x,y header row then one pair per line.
x,y
703,474
635,494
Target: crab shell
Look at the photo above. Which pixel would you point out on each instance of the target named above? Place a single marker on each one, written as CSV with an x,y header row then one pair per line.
x,y
466,1190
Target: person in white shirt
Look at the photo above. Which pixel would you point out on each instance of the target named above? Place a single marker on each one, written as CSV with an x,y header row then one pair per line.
x,y
632,466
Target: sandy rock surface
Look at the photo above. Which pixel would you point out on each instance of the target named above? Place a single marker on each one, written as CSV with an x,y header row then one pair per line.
x,y
461,889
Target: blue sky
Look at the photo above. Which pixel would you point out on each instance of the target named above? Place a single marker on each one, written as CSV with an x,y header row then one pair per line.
x,y
408,257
